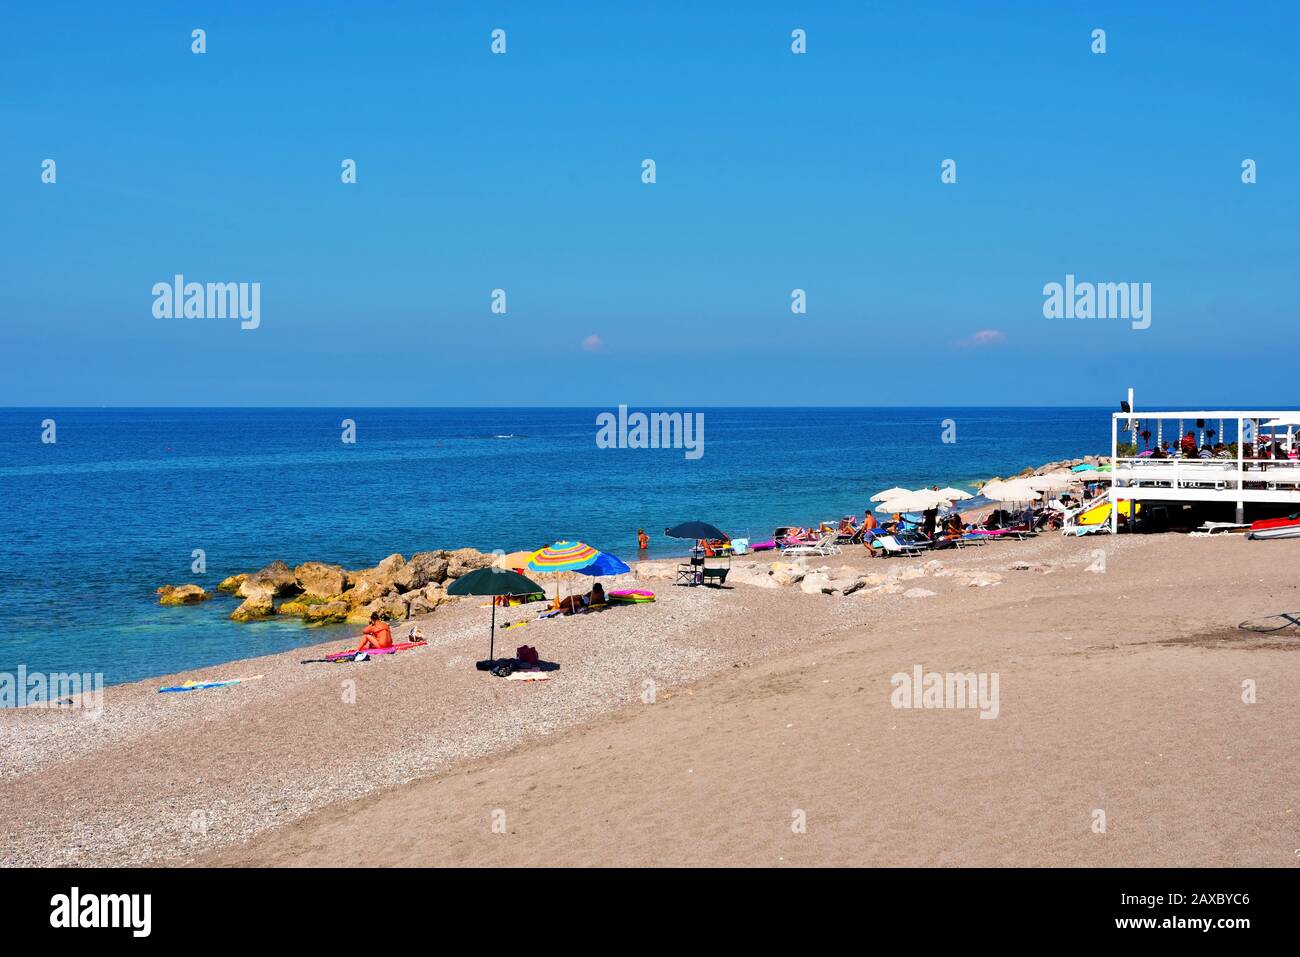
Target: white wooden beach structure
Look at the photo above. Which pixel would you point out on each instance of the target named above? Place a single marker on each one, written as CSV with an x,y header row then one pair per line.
x,y
1247,476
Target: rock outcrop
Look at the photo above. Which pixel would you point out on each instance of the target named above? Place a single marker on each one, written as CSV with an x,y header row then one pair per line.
x,y
319,580
326,613
231,584
465,560
423,568
319,592
256,606
181,595
277,576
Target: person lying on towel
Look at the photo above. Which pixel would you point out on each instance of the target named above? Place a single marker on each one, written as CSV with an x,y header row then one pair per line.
x,y
377,634
576,603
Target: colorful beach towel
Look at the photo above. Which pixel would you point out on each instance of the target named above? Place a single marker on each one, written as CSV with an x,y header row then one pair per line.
x,y
390,650
202,685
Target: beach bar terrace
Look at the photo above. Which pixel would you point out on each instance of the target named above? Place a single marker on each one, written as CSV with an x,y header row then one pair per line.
x,y
1253,458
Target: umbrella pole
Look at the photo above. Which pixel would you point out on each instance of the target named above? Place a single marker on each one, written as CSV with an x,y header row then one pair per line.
x,y
492,637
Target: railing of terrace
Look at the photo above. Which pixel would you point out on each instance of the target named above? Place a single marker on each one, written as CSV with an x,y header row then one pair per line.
x,y
1208,473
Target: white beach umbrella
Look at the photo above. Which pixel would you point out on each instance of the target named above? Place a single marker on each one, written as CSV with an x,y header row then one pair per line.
x,y
919,501
1012,490
890,493
954,494
1052,481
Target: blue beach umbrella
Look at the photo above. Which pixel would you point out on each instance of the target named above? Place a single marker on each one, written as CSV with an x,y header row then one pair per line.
x,y
605,564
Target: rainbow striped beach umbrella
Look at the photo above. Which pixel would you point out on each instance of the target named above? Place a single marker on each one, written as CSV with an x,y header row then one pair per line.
x,y
562,557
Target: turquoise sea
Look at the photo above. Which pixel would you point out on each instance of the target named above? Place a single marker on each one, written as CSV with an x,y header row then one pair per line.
x,y
92,523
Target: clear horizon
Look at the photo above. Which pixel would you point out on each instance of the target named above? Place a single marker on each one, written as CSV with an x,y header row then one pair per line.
x,y
775,172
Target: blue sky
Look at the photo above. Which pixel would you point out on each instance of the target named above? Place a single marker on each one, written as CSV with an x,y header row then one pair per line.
x,y
523,172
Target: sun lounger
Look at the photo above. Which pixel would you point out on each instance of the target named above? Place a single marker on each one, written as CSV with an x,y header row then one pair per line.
x,y
823,546
892,546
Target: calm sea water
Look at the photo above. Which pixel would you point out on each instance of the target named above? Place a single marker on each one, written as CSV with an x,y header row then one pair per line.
x,y
92,524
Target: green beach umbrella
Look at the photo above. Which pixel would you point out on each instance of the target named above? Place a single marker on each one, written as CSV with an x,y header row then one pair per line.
x,y
493,582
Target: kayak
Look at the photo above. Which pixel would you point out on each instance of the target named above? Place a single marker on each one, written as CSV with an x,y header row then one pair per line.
x,y
1100,514
1268,528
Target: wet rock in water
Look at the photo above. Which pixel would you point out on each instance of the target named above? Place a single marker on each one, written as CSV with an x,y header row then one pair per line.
x,y
181,595
231,584
423,568
259,605
293,606
328,612
277,576
319,579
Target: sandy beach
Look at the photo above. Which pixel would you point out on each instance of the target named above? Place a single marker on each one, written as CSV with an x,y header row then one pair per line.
x,y
747,725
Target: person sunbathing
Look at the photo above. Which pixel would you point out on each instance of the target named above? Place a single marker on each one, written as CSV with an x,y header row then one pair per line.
x,y
377,634
577,603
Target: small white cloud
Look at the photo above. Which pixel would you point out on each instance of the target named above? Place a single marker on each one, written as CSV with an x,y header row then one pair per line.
x,y
985,337
593,343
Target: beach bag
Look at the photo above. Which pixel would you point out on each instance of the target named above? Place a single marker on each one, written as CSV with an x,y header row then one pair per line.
x,y
527,654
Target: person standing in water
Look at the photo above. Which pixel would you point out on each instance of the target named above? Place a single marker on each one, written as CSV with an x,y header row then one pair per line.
x,y
642,539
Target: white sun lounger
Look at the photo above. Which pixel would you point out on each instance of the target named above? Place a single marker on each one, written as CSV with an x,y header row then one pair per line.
x,y
893,546
823,546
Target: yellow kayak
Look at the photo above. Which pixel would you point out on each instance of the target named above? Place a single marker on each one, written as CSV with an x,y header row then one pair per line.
x,y
1100,514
